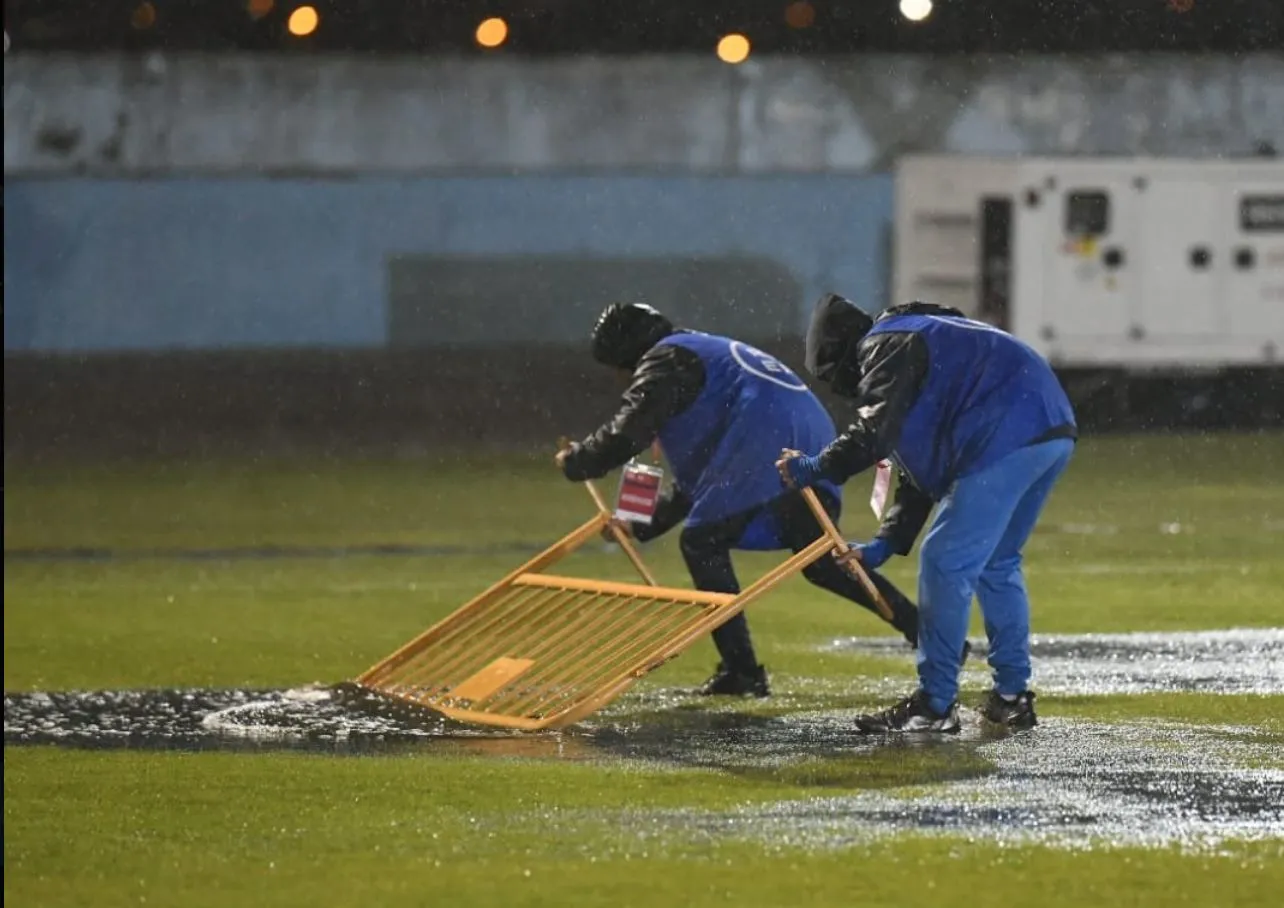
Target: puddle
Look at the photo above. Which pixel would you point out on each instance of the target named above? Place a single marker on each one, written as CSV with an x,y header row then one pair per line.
x,y
339,719
648,723
1242,661
1069,783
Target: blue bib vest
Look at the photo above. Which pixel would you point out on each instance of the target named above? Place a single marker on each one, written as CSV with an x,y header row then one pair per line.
x,y
724,447
986,395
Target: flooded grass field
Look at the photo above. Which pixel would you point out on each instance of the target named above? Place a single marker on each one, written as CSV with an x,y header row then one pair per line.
x,y
176,729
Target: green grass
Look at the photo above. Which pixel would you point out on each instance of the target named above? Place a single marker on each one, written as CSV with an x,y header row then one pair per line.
x,y
281,829
119,829
202,830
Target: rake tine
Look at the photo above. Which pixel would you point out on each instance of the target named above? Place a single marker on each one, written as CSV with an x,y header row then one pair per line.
x,y
538,651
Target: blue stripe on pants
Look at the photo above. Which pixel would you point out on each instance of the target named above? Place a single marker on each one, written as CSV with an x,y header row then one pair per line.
x,y
974,547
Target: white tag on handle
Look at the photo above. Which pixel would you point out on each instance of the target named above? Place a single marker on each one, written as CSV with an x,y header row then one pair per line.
x,y
639,493
882,486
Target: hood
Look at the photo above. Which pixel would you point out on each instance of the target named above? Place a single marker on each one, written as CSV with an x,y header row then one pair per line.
x,y
837,327
917,308
625,332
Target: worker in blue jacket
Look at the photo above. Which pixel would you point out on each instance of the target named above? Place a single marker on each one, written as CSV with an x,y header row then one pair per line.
x,y
722,411
980,430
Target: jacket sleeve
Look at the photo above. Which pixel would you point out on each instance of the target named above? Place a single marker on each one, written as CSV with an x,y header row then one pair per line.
x,y
666,382
893,366
904,520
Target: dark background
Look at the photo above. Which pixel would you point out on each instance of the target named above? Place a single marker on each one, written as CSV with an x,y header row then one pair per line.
x,y
660,26
507,396
515,399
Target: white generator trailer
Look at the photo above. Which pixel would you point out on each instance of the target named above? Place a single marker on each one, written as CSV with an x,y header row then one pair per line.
x,y
1102,263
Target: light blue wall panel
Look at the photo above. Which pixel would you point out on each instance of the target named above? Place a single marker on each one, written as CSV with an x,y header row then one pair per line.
x,y
239,263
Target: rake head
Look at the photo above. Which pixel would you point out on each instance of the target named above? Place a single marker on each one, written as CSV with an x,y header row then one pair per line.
x,y
538,650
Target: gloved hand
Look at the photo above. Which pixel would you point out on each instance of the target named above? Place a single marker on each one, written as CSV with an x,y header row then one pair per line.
x,y
870,555
798,470
565,460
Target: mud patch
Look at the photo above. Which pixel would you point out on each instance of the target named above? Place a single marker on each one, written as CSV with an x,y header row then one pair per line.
x,y
1240,661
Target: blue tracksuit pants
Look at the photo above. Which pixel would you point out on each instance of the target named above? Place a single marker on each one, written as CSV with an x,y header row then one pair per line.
x,y
974,548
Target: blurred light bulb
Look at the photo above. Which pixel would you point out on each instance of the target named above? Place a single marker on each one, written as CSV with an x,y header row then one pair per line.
x,y
733,49
144,16
303,21
258,8
916,10
800,14
492,32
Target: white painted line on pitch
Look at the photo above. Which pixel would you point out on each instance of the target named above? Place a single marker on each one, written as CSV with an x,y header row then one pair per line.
x,y
1105,568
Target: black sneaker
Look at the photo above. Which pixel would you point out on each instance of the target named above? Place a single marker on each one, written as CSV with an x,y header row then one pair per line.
x,y
910,715
1017,713
728,683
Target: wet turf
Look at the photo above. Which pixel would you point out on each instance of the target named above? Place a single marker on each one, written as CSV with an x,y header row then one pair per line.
x,y
662,800
1240,661
1069,783
284,829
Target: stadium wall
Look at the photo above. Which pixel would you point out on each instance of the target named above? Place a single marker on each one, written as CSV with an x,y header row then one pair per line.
x,y
205,264
209,254
207,202
148,114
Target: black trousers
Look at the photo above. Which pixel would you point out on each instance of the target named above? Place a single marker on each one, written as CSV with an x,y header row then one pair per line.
x,y
707,551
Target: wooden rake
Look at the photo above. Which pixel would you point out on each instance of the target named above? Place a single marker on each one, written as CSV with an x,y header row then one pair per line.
x,y
538,650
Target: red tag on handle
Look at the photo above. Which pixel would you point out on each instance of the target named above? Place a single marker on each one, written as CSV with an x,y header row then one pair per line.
x,y
639,493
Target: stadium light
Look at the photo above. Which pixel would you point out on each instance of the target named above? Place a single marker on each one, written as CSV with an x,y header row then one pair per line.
x,y
303,21
492,32
916,10
733,48
143,16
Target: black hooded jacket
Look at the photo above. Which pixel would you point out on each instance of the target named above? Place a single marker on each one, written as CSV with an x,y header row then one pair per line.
x,y
885,373
667,381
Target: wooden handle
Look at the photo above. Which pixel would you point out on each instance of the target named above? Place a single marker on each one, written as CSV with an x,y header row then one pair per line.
x,y
840,545
621,537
